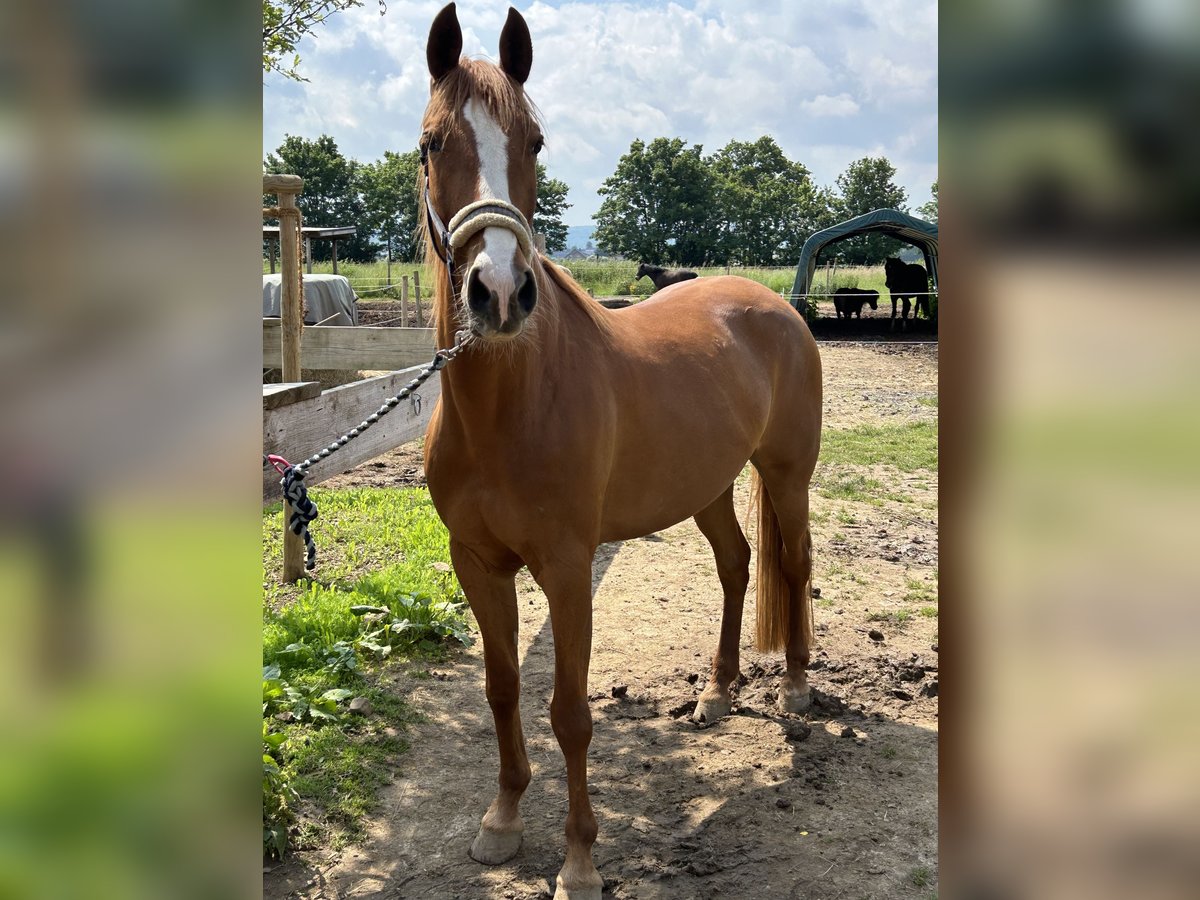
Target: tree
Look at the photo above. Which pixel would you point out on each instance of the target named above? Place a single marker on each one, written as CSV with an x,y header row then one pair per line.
x,y
768,204
391,201
660,205
330,195
285,22
551,204
866,185
929,210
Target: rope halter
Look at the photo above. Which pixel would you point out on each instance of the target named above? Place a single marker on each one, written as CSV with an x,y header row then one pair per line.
x,y
490,212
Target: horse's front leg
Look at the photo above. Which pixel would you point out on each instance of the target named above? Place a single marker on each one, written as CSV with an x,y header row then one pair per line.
x,y
491,592
567,582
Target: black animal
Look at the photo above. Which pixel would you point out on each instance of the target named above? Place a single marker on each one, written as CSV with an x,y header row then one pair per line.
x,y
849,301
662,277
905,281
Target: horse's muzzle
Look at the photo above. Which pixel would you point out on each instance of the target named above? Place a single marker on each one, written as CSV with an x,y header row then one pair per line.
x,y
499,307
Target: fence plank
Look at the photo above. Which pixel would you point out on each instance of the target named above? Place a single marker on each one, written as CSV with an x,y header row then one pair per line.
x,y
353,347
302,428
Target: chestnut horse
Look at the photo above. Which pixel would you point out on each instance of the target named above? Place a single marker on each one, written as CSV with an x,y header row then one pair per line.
x,y
562,425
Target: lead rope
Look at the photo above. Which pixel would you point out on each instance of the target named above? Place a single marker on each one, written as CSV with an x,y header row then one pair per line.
x,y
295,492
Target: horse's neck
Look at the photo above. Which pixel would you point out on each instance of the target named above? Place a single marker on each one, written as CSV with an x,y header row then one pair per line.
x,y
484,382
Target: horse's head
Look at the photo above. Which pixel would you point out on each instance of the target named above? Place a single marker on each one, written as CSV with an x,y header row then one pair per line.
x,y
873,299
642,270
480,137
891,264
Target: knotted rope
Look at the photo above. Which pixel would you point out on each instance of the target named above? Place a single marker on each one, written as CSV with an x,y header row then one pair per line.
x,y
294,489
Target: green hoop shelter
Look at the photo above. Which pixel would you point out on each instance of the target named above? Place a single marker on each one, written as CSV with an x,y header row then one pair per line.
x,y
921,234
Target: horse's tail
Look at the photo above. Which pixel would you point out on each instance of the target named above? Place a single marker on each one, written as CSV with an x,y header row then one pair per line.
x,y
774,607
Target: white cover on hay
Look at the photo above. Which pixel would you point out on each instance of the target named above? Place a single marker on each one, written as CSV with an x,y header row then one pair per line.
x,y
324,296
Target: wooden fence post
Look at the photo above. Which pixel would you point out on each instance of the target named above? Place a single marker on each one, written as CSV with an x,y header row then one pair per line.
x,y
291,313
404,300
417,291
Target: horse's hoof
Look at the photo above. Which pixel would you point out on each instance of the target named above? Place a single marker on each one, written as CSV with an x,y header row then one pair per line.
x,y
494,847
792,700
589,890
711,708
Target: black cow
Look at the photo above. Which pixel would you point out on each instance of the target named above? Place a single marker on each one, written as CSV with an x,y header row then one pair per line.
x,y
906,281
849,301
662,277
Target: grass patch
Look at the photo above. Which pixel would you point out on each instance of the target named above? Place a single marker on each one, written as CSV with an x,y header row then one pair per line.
x,y
858,488
887,751
928,612
921,876
919,592
390,594
824,603
897,618
928,401
907,447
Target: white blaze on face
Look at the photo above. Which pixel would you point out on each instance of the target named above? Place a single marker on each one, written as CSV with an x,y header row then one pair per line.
x,y
495,261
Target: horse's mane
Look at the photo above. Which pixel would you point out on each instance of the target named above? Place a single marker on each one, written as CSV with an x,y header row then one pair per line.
x,y
570,292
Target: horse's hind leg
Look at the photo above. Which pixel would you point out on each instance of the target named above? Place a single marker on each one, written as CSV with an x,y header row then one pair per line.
x,y
493,600
788,492
718,522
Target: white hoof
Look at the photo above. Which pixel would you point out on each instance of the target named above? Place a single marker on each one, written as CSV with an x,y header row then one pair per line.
x,y
494,847
710,709
792,700
590,891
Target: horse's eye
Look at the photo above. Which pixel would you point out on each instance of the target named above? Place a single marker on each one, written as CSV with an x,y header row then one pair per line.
x,y
537,146
435,143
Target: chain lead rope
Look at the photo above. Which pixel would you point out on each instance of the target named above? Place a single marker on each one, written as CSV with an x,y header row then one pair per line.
x,y
295,491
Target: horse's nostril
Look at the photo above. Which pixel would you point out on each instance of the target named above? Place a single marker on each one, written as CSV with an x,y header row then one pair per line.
x,y
527,292
478,293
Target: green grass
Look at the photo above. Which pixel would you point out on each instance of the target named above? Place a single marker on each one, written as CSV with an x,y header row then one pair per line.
x,y
919,592
929,612
920,876
898,617
858,488
928,401
908,447
387,593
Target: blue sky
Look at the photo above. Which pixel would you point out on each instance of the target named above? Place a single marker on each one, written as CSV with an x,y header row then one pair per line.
x,y
831,81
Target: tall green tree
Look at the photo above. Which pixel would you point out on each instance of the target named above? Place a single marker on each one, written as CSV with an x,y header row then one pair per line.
x,y
285,22
551,204
768,203
331,193
868,184
929,209
391,201
660,205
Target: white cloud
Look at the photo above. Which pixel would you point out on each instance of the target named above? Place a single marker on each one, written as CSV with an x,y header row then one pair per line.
x,y
831,107
830,83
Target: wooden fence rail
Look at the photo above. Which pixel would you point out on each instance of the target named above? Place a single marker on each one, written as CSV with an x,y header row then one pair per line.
x,y
353,347
300,429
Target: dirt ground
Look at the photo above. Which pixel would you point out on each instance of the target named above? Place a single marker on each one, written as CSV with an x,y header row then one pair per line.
x,y
838,803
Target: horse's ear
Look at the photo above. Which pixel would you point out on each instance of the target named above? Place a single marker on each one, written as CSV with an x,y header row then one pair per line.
x,y
445,43
516,47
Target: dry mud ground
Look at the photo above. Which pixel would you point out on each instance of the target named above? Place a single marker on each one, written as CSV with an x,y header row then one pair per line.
x,y
838,803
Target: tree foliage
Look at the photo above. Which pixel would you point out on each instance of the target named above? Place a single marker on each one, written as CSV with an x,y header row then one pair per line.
x,y
747,204
868,184
391,201
929,210
330,196
551,204
768,203
660,205
285,22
